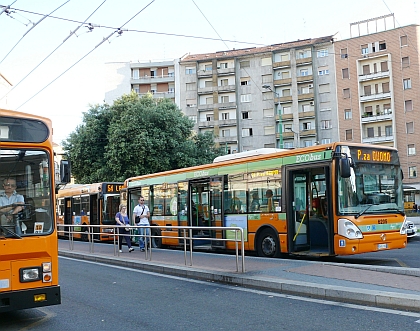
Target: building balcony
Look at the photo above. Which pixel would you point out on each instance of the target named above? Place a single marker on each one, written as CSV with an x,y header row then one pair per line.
x,y
367,118
226,88
307,114
206,124
160,95
206,106
281,64
377,96
307,133
304,61
153,79
378,139
205,90
204,73
225,71
372,76
283,99
305,79
287,135
306,96
227,140
285,117
230,122
283,82
227,105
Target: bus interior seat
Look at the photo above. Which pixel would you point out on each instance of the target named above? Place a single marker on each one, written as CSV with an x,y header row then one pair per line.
x,y
318,233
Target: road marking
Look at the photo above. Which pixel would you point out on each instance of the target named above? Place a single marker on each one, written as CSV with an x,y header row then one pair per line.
x,y
48,315
270,294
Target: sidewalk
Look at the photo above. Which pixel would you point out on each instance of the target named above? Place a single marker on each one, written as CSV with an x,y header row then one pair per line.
x,y
389,287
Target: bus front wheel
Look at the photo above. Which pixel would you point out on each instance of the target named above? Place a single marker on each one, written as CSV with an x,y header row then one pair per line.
x,y
268,244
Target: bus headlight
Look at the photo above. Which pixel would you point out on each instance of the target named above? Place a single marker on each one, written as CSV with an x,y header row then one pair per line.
x,y
348,229
404,226
31,274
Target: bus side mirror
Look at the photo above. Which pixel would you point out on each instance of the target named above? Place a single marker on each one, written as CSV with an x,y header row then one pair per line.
x,y
345,166
65,173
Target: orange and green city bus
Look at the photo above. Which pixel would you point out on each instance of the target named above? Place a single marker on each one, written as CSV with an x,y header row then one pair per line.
x,y
87,204
324,200
28,233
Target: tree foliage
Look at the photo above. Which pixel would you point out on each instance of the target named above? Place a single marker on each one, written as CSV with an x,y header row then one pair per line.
x,y
135,136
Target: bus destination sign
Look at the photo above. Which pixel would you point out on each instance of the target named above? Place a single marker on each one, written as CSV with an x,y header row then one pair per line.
x,y
113,188
373,155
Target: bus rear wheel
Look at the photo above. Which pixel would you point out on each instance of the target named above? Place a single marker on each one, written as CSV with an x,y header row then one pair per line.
x,y
157,239
268,244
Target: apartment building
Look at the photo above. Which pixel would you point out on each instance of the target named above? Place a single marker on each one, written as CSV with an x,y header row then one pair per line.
x,y
262,97
378,81
157,78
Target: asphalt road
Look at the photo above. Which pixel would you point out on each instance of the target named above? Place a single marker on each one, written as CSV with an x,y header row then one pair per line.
x,y
104,297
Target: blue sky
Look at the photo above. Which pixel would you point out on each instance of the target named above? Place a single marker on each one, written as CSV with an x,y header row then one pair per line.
x,y
84,54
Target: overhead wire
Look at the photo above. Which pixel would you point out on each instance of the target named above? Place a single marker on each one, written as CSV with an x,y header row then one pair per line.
x,y
103,40
31,28
67,38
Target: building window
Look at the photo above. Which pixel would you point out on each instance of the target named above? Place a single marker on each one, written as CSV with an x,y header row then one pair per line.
x,y
209,100
246,115
267,96
408,105
288,144
382,45
409,127
366,69
324,88
209,117
349,134
223,65
411,149
326,141
284,74
370,133
347,114
191,86
245,97
388,131
193,118
224,82
225,116
287,110
365,49
412,172
267,79
346,93
268,112
403,41
323,72
244,64
306,126
190,70
384,66
286,93
367,90
326,124
306,108
135,73
245,81
285,57
247,132
269,130
407,83
224,99
267,61
322,53
191,102
225,133
208,67
405,62
343,53
304,72
345,73
208,83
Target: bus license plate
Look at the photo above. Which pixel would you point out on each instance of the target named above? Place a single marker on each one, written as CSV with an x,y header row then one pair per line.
x,y
382,246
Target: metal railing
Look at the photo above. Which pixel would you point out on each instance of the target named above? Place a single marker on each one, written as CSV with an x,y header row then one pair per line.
x,y
187,237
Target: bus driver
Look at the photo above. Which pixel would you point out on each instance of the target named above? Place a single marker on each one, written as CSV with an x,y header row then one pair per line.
x,y
9,198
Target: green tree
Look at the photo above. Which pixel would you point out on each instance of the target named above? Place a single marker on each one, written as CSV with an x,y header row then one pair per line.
x,y
135,136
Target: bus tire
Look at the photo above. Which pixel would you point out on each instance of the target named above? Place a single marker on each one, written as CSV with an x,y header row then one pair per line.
x,y
268,244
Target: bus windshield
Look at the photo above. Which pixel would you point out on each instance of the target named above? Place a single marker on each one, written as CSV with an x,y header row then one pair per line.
x,y
375,183
25,193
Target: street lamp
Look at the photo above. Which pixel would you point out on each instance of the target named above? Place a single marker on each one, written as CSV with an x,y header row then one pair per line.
x,y
280,129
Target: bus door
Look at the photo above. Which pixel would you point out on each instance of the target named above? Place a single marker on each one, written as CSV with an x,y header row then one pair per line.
x,y
309,215
94,215
205,197
67,215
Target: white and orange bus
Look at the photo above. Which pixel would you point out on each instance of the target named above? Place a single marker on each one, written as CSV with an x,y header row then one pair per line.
x,y
28,233
324,200
85,204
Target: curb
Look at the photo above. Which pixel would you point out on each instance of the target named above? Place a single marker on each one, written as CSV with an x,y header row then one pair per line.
x,y
380,299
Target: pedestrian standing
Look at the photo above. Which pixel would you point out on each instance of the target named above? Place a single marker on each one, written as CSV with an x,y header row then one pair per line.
x,y
122,220
141,216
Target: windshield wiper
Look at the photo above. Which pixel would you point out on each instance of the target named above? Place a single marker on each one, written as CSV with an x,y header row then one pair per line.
x,y
14,234
363,211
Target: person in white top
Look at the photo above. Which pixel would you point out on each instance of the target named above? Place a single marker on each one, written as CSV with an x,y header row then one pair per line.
x,y
8,201
141,214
